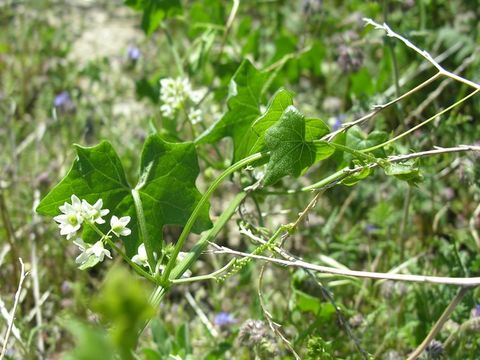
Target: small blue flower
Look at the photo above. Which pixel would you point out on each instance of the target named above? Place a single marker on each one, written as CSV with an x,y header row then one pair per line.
x,y
133,53
62,99
224,319
370,228
63,102
338,122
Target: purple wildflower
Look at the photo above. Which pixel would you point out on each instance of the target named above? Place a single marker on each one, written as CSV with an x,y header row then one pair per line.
x,y
370,228
338,122
133,53
62,99
63,102
224,319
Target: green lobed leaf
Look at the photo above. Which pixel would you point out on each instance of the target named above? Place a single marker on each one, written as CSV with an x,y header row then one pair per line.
x,y
406,171
166,187
359,140
275,108
244,99
291,152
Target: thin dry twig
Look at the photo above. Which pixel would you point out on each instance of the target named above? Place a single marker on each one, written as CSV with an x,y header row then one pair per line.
x,y
272,324
325,292
201,315
23,275
425,54
439,324
458,281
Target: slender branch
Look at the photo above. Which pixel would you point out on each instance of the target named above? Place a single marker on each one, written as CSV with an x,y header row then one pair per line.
x,y
23,275
402,236
379,108
228,27
211,276
425,122
272,324
335,177
439,324
472,225
201,315
458,281
173,48
423,53
439,89
10,235
158,294
325,292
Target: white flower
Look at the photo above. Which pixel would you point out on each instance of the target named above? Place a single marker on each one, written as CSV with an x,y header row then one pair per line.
x,y
174,93
91,254
141,257
167,110
94,212
71,219
197,95
119,226
195,116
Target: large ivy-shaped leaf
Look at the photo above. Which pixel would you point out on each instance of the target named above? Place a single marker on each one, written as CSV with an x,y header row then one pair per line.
x,y
275,108
290,151
166,187
154,11
244,99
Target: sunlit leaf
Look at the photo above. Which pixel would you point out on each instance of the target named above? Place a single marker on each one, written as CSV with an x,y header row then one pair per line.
x,y
166,185
290,152
243,108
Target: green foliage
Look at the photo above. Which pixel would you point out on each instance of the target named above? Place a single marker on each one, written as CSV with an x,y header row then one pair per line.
x,y
406,171
275,108
91,343
154,12
64,79
244,98
123,303
98,173
359,140
317,348
292,150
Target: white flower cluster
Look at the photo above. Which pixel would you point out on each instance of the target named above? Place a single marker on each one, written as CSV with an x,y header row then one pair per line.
x,y
175,93
77,213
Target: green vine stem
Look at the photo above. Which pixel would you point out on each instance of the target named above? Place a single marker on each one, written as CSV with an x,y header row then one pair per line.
x,y
198,249
193,217
142,225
